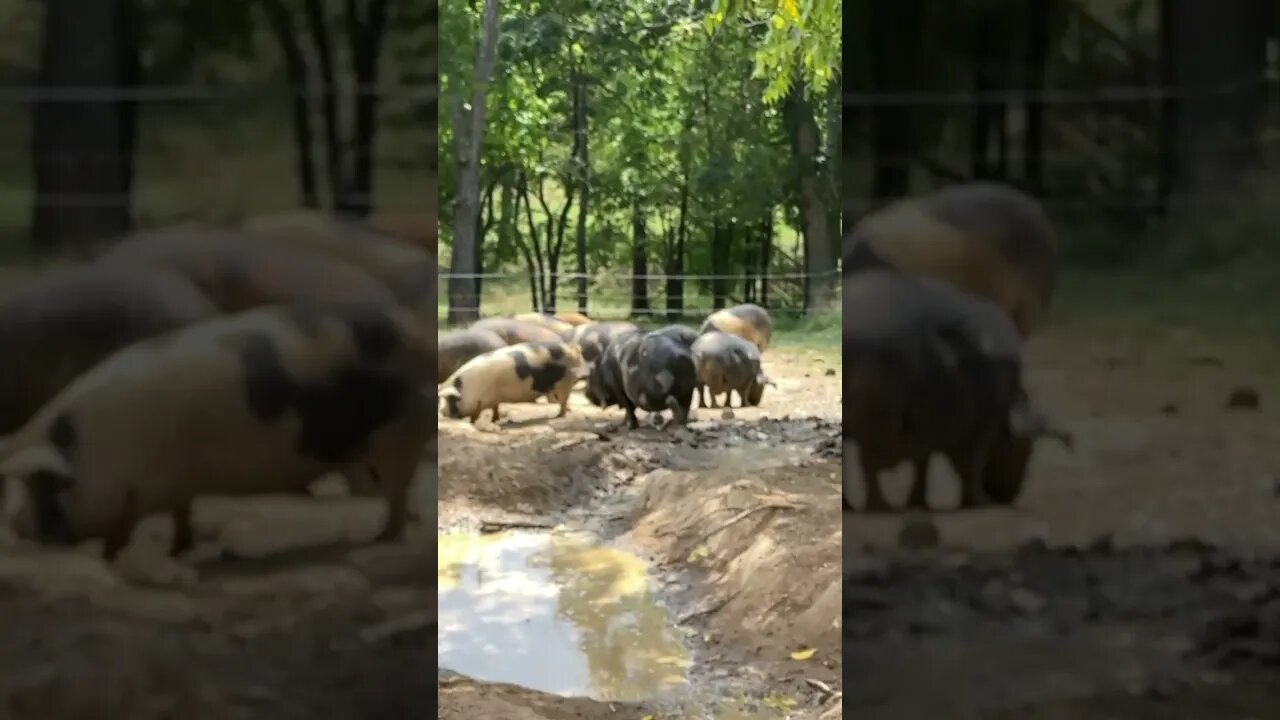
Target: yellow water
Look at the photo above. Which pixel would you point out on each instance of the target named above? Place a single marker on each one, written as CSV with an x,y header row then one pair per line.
x,y
555,613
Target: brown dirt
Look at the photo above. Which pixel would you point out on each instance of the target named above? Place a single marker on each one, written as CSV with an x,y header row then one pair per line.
x,y
737,516
310,621
1008,620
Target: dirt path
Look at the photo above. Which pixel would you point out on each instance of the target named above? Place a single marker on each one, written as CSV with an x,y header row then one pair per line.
x,y
737,517
1136,578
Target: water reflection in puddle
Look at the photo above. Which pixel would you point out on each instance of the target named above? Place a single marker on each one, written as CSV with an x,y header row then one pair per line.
x,y
555,613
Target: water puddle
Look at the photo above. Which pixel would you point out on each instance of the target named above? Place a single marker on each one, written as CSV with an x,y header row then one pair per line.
x,y
557,613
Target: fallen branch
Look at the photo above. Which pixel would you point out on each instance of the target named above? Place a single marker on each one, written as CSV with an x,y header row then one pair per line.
x,y
744,515
707,610
398,626
488,527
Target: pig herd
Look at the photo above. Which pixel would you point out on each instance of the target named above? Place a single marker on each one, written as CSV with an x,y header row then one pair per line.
x,y
940,293
499,361
240,360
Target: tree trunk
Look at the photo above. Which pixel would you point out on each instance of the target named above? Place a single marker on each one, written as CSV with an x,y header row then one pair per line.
x,y
1218,117
365,36
535,243
675,272
319,30
766,258
464,300
895,50
832,170
1038,19
281,22
130,58
639,264
721,242
582,135
82,150
819,255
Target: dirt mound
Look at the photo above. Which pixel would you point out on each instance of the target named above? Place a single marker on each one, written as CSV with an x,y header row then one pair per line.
x,y
764,542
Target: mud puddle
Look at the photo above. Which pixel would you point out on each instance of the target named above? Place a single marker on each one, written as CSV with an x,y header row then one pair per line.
x,y
556,612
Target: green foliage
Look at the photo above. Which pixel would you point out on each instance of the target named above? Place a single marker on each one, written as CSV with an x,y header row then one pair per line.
x,y
801,40
672,111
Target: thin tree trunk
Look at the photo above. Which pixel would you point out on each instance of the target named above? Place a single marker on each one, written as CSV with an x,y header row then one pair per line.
x,y
819,255
894,53
131,76
365,36
582,136
639,263
82,150
1037,54
1219,121
675,273
463,293
281,22
766,258
319,30
523,246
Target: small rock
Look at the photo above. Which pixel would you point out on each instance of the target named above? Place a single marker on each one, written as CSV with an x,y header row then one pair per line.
x,y
1243,398
1027,601
726,414
1169,409
918,532
831,372
1103,544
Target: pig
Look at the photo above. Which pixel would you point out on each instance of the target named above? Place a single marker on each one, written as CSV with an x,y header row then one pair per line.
x,y
573,318
686,336
517,373
594,338
66,321
457,347
515,332
727,363
986,238
238,273
407,269
748,321
929,368
649,371
555,325
265,401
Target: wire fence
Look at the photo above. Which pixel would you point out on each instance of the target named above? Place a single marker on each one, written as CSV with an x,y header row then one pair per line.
x,y
24,94
1112,94
617,296
214,152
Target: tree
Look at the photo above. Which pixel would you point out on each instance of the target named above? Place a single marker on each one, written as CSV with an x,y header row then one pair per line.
x,y
82,146
464,300
802,42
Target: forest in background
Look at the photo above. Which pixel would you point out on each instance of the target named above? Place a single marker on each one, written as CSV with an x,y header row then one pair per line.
x,y
117,114
1147,126
666,156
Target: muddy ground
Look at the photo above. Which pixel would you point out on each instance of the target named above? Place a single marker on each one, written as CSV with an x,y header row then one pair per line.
x,y
738,518
283,611
1138,577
